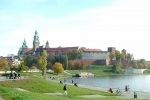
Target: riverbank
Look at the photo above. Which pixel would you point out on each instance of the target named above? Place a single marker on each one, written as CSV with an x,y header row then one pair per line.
x,y
129,94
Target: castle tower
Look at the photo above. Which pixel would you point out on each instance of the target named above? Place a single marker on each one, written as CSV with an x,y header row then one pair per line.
x,y
47,45
24,45
36,41
111,49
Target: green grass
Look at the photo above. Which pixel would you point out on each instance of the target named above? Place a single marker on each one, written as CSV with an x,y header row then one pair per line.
x,y
97,70
37,86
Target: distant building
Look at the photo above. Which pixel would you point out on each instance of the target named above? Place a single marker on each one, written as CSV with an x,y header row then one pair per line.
x,y
94,54
88,54
111,49
12,60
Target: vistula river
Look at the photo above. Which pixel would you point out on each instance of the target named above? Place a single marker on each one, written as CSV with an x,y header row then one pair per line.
x,y
135,82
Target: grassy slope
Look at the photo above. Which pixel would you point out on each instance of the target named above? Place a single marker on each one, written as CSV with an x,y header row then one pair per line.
x,y
37,85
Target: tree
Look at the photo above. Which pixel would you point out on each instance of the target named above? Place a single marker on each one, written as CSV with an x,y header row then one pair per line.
x,y
144,63
117,54
129,56
83,65
3,64
66,62
49,65
111,55
77,66
58,68
42,62
122,56
33,67
117,68
21,67
134,63
44,54
70,65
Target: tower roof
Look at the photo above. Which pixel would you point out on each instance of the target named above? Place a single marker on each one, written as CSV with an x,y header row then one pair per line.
x,y
36,37
47,42
24,45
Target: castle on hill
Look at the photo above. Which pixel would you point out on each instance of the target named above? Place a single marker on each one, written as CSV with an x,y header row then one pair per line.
x,y
88,54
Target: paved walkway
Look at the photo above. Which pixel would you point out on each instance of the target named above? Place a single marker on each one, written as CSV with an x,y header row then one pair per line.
x,y
130,94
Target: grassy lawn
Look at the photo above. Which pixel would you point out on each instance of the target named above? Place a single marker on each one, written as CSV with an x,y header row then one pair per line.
x,y
97,70
37,86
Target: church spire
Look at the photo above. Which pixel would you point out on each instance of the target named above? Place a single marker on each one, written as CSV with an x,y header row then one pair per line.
x,y
24,45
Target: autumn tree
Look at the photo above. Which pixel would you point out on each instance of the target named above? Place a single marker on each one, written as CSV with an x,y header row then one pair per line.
x,y
42,62
122,56
3,64
58,68
66,62
77,66
33,67
83,65
111,55
70,65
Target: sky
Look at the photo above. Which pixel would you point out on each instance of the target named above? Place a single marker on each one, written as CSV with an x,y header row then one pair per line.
x,y
97,24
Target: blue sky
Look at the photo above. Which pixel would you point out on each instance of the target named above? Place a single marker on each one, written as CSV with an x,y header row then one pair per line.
x,y
124,24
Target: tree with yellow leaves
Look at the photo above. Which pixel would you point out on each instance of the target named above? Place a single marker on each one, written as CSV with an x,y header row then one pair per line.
x,y
58,68
3,64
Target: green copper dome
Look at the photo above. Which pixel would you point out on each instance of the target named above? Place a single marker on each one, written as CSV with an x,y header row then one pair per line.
x,y
36,38
24,45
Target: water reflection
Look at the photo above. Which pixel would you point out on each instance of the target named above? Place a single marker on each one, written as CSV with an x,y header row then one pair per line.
x,y
135,82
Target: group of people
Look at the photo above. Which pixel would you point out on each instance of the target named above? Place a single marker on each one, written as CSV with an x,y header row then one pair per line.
x,y
14,75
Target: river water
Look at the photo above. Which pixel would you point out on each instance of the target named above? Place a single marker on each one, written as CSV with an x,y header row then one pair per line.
x,y
135,82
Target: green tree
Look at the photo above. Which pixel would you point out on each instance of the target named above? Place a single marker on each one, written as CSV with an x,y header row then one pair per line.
x,y
111,55
117,54
66,62
42,62
129,56
21,67
58,68
134,63
117,68
122,56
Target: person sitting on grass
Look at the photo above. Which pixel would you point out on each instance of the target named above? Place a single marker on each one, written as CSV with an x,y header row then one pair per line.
x,y
75,84
110,90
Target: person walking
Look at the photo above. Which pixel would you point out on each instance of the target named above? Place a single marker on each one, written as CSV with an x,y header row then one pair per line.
x,y
65,89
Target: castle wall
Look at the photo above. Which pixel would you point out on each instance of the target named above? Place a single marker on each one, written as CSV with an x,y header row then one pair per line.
x,y
123,62
94,56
